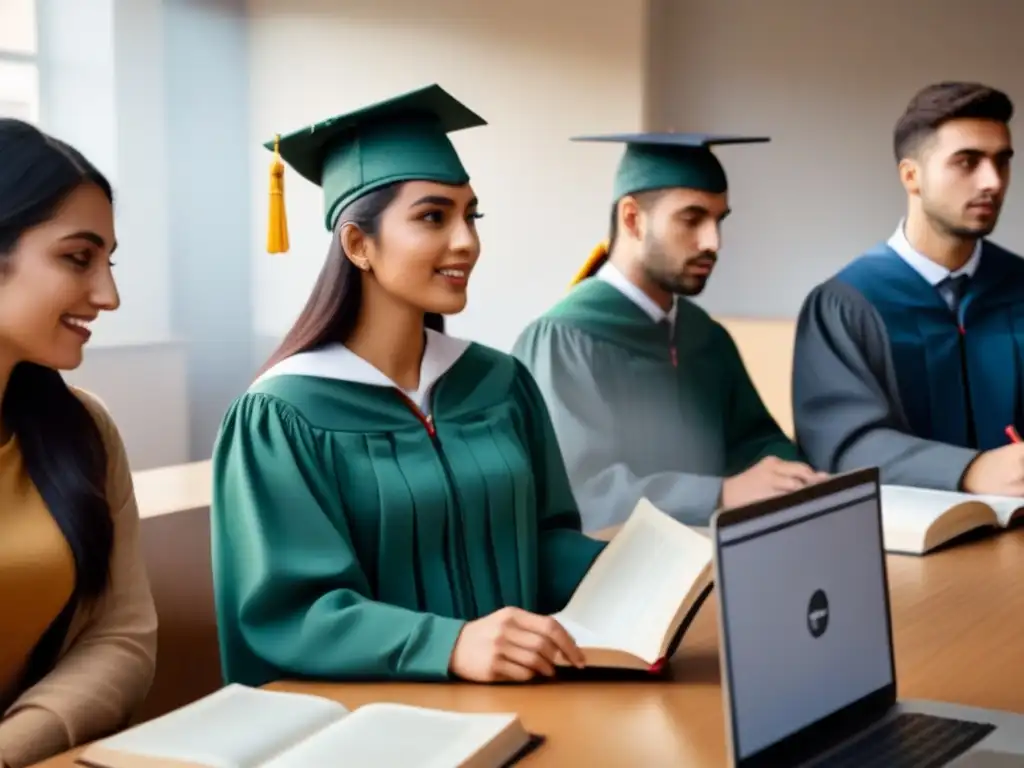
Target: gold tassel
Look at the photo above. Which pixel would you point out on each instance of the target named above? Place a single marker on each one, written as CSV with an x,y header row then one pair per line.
x,y
277,224
597,257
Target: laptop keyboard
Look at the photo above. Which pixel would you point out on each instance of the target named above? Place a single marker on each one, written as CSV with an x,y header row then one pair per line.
x,y
909,741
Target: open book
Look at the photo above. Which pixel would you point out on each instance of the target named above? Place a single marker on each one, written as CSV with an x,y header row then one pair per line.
x,y
917,520
631,609
242,727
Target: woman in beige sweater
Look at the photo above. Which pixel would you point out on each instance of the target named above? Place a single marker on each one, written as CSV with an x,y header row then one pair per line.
x,y
78,639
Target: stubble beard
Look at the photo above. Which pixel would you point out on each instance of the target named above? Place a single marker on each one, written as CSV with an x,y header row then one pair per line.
x,y
657,269
944,225
960,231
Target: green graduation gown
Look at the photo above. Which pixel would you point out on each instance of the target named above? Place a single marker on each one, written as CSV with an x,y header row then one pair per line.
x,y
635,418
357,527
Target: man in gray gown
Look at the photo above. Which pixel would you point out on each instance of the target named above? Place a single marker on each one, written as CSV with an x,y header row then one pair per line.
x,y
911,358
648,394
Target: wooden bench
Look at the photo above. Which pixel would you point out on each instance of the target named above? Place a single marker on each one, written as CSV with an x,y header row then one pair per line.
x,y
766,347
174,506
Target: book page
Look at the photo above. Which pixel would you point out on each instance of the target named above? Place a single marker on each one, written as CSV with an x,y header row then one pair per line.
x,y
380,735
635,587
908,512
919,503
581,635
1005,506
236,727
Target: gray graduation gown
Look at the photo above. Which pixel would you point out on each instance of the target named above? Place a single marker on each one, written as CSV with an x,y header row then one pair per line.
x,y
630,422
886,375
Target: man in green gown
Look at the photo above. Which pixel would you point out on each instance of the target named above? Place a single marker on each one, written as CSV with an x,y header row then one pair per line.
x,y
648,393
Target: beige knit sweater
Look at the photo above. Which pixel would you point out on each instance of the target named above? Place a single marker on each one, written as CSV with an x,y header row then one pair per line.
x,y
107,663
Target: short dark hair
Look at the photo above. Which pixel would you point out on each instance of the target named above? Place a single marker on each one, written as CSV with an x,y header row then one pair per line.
x,y
939,103
643,199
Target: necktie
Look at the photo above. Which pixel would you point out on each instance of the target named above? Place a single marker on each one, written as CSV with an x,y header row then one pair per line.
x,y
669,329
952,289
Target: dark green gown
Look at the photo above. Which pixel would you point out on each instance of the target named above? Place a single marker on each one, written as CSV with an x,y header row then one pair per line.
x,y
354,535
637,419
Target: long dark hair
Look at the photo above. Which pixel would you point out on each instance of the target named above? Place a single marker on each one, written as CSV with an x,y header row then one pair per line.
x,y
333,305
59,440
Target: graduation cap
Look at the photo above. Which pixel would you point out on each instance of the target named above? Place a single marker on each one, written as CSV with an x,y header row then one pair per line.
x,y
403,138
662,161
666,160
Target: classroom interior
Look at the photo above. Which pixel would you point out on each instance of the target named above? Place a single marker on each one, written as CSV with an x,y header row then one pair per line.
x,y
173,99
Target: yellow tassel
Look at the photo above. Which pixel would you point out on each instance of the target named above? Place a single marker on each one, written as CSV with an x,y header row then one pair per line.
x,y
277,224
597,257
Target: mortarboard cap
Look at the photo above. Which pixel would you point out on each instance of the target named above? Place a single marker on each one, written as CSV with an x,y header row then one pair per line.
x,y
404,138
666,160
662,161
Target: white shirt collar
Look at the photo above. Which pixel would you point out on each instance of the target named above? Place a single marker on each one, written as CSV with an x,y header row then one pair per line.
x,y
338,362
928,269
613,276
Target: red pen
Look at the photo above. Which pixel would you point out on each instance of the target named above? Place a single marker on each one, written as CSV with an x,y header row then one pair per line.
x,y
1011,432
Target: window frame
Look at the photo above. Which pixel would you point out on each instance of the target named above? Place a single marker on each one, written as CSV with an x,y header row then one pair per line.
x,y
8,56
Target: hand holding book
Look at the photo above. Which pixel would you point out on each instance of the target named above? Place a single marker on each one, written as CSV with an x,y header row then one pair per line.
x,y
512,645
628,613
638,598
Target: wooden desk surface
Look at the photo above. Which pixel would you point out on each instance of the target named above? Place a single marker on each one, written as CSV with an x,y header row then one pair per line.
x,y
958,619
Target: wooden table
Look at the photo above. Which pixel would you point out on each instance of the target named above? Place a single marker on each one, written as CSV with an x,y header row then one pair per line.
x,y
958,620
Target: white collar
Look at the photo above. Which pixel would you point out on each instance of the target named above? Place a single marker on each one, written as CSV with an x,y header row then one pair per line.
x,y
928,269
338,362
613,276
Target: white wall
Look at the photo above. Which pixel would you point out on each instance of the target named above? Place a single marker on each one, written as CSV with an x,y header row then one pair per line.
x,y
142,204
158,100
106,98
538,71
144,387
208,163
79,79
827,81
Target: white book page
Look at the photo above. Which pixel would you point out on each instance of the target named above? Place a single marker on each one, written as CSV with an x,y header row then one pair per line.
x,y
395,735
236,727
919,504
583,637
1004,506
907,512
632,592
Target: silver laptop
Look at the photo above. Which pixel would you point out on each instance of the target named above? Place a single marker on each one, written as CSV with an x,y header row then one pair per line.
x,y
808,675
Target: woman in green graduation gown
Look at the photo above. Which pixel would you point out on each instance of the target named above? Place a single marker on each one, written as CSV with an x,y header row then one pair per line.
x,y
390,502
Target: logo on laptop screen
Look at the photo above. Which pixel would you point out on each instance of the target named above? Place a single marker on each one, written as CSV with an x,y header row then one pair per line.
x,y
817,614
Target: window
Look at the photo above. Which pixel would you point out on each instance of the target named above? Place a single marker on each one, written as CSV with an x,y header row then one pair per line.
x,y
19,67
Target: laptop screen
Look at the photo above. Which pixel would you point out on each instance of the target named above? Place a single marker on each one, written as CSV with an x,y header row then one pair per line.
x,y
805,615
